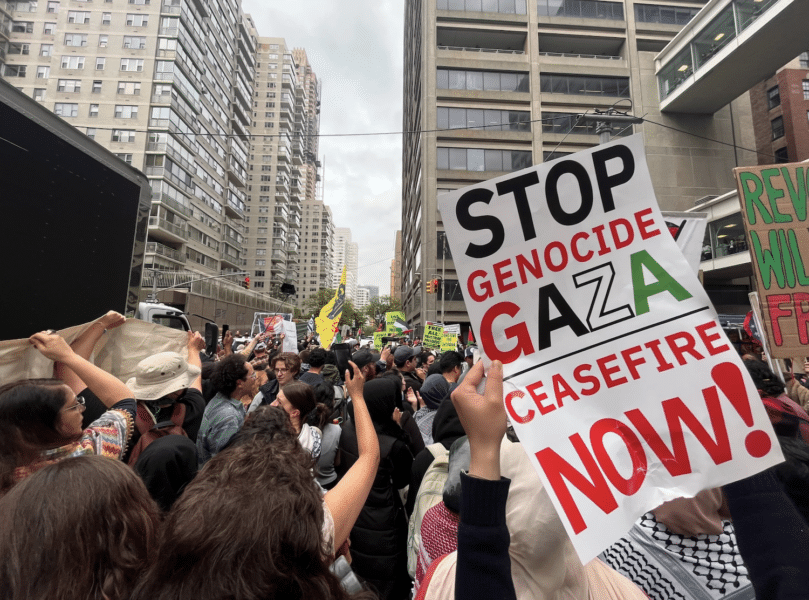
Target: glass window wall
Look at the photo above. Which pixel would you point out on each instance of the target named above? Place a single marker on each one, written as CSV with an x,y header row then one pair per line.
x,y
584,85
495,81
477,159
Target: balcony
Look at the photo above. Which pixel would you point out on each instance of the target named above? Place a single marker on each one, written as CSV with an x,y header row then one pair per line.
x,y
278,255
234,208
169,253
228,256
718,56
171,203
459,39
163,230
581,9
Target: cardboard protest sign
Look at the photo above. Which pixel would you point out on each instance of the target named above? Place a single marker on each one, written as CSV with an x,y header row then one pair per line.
x,y
395,323
620,383
433,332
774,211
274,324
378,343
454,328
449,341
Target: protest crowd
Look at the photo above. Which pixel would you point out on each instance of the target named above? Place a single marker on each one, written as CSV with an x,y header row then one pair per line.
x,y
254,473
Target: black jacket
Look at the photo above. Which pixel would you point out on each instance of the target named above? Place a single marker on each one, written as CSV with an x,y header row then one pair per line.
x,y
379,537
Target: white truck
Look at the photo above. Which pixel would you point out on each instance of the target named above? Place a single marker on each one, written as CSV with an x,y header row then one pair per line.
x,y
162,314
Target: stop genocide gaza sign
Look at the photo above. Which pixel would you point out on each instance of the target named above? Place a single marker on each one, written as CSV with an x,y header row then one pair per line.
x,y
621,385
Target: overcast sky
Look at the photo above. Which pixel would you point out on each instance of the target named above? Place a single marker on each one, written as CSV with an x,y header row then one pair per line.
x,y
355,48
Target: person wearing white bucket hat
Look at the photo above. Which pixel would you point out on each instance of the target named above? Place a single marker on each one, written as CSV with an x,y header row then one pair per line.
x,y
168,389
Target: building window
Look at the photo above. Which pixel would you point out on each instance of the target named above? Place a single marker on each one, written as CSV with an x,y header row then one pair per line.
x,y
93,110
63,109
134,42
75,39
46,50
96,87
43,72
667,15
131,64
564,123
782,155
72,62
806,89
39,94
777,128
127,158
488,120
137,20
103,40
52,7
804,58
123,111
584,85
15,48
101,62
78,16
22,27
129,88
91,133
496,81
14,70
68,86
49,28
773,97
478,159
106,18
508,7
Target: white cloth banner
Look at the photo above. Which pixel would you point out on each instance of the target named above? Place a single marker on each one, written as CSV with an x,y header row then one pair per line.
x,y
620,383
118,351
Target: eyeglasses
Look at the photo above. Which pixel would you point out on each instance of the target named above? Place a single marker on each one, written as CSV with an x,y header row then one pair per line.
x,y
79,402
281,371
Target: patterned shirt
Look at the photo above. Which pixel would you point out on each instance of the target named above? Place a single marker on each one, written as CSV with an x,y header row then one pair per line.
x,y
222,419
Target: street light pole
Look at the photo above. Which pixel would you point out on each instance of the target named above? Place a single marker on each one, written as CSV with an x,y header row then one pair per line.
x,y
443,271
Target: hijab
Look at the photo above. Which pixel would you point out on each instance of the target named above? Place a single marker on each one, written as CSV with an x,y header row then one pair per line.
x,y
434,390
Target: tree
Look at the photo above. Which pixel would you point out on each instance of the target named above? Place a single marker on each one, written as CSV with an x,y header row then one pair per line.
x,y
314,304
377,307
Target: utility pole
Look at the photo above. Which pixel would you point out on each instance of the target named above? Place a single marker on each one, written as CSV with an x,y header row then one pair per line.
x,y
443,272
604,121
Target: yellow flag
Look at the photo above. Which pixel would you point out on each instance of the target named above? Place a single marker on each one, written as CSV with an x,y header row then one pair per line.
x,y
326,323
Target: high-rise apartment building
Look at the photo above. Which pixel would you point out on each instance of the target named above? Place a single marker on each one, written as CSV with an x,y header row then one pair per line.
x,y
781,114
275,191
495,86
346,253
167,86
289,237
317,241
362,299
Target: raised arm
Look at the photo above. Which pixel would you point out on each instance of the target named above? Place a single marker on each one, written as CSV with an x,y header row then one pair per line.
x,y
196,344
107,387
83,346
484,566
346,499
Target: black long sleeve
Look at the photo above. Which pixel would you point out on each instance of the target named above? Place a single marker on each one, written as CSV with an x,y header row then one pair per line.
x,y
484,567
773,539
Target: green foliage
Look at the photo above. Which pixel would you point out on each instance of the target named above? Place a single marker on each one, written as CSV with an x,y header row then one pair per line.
x,y
315,303
377,307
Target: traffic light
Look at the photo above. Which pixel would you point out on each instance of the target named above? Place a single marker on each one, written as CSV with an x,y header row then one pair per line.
x,y
429,286
436,286
246,283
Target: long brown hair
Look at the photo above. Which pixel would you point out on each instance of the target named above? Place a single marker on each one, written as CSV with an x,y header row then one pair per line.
x,y
29,413
248,527
80,529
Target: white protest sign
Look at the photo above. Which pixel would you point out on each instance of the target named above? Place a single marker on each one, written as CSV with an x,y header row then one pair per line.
x,y
620,383
688,230
291,338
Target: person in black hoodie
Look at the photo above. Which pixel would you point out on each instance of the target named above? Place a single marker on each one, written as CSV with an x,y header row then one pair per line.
x,y
446,429
379,536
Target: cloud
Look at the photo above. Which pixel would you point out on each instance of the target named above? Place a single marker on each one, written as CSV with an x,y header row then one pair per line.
x,y
355,48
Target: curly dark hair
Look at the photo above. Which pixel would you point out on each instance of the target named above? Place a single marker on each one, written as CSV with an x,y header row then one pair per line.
x,y
90,517
273,550
228,372
29,413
